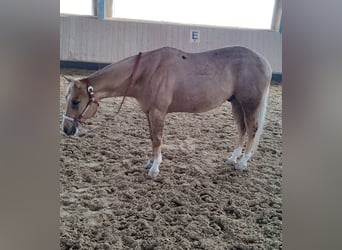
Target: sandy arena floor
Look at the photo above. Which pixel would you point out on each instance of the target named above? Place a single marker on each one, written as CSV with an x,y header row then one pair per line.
x,y
196,202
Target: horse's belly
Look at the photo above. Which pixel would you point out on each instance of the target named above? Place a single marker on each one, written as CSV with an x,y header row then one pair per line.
x,y
193,104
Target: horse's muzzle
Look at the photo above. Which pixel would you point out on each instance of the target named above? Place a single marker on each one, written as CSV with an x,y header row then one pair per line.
x,y
71,130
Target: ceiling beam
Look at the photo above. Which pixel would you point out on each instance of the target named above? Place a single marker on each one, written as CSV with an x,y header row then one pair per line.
x,y
277,14
102,9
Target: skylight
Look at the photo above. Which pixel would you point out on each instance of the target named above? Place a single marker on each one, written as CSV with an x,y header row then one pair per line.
x,y
232,13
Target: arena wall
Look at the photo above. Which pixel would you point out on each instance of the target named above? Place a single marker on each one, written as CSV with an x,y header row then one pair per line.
x,y
88,39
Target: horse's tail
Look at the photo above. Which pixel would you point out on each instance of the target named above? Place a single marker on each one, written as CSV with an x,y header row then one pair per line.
x,y
261,119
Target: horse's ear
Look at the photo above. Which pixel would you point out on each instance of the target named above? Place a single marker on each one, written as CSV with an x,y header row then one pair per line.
x,y
67,78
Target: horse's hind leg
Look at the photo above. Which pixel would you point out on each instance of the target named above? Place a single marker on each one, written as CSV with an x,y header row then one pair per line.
x,y
251,119
156,119
240,122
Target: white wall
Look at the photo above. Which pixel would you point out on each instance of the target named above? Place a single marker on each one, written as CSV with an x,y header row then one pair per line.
x,y
89,39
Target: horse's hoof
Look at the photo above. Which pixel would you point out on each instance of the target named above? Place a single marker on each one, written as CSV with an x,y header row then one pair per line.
x,y
230,162
148,165
241,166
153,173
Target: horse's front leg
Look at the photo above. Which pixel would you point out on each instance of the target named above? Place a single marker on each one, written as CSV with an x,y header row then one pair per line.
x,y
156,119
148,164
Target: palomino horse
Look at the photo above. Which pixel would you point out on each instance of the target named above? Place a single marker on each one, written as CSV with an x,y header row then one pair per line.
x,y
169,80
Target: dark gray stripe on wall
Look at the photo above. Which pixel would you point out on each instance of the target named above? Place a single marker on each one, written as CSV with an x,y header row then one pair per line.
x,y
82,65
277,78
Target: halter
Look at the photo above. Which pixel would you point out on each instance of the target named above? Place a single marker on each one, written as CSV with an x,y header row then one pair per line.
x,y
91,94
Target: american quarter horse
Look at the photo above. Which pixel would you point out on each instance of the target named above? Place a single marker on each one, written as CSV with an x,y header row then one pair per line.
x,y
169,80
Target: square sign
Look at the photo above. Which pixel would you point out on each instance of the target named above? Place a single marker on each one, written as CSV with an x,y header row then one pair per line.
x,y
194,36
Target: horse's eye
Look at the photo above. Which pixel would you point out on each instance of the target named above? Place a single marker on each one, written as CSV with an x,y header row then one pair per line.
x,y
74,104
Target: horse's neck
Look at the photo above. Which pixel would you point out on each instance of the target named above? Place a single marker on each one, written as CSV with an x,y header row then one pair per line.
x,y
111,81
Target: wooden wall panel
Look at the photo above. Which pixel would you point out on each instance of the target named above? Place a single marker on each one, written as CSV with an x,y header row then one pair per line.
x,y
91,40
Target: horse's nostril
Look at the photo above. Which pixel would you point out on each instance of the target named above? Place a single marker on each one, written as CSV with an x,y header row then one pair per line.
x,y
65,129
73,129
70,131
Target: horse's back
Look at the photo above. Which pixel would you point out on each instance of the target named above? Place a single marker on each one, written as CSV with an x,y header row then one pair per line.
x,y
235,57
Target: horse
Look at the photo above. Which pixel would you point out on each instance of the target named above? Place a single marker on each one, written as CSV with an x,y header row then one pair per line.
x,y
169,80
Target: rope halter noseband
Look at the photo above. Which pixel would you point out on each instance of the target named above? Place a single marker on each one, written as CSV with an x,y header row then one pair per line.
x,y
92,100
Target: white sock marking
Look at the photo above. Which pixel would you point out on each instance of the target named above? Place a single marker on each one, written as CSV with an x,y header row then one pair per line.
x,y
243,162
236,153
154,170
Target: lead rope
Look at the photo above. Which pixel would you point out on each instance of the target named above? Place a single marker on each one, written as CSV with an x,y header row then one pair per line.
x,y
130,79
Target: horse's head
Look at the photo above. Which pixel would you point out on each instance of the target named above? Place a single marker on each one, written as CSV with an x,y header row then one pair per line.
x,y
80,105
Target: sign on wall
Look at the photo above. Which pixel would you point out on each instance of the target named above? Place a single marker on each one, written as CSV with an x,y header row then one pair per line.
x,y
194,36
